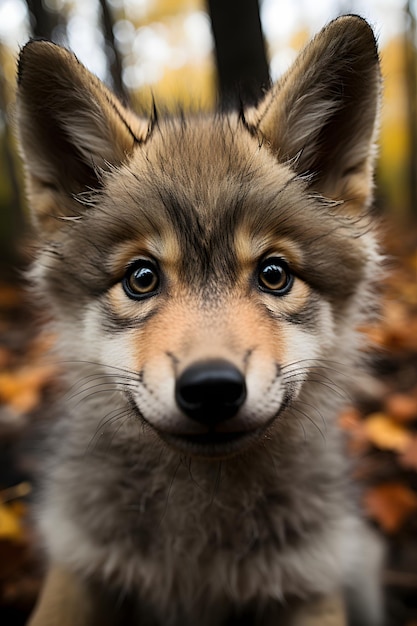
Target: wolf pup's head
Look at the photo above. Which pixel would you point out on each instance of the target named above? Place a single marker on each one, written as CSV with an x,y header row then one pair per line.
x,y
213,268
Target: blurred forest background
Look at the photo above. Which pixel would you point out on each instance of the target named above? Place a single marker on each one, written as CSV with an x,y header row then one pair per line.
x,y
166,49
200,54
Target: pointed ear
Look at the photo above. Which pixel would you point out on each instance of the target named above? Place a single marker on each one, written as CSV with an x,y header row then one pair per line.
x,y
70,127
323,114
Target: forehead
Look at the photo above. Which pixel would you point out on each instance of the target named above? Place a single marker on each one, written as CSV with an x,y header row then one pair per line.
x,y
205,195
199,183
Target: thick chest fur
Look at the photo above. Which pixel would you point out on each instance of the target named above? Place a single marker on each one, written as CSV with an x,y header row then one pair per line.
x,y
182,532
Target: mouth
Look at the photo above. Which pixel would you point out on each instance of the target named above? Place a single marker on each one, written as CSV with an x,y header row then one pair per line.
x,y
213,444
210,443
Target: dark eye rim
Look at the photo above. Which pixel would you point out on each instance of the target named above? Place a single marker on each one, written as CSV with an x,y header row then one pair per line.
x,y
276,260
133,267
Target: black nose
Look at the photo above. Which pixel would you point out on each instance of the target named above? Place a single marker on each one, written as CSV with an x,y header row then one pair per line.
x,y
210,391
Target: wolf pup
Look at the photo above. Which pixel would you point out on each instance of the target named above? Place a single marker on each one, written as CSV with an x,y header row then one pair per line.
x,y
206,277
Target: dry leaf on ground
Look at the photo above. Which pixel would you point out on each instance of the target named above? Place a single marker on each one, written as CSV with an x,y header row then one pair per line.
x,y
402,406
390,505
385,433
22,389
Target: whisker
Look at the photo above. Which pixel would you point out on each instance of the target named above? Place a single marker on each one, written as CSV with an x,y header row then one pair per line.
x,y
109,417
316,364
169,490
315,360
85,380
96,393
100,430
310,419
100,385
337,389
311,406
122,419
101,365
300,423
193,480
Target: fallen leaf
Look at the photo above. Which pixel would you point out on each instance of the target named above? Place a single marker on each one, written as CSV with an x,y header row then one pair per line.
x,y
10,296
11,521
385,433
23,388
401,406
390,505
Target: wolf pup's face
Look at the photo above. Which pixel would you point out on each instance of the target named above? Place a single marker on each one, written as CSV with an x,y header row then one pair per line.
x,y
208,266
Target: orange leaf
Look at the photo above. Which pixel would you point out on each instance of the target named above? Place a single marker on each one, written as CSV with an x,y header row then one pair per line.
x,y
10,522
402,407
391,505
385,433
10,296
22,389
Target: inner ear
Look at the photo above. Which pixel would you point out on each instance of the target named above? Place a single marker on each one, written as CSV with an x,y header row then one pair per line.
x,y
71,128
322,115
60,164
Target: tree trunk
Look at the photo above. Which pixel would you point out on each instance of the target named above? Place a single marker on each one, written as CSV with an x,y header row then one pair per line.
x,y
240,51
42,21
113,56
11,214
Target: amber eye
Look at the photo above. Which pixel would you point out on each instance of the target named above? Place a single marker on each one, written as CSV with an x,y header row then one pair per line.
x,y
141,279
274,276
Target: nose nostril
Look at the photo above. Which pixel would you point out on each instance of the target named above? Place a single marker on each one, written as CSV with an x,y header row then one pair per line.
x,y
210,391
217,389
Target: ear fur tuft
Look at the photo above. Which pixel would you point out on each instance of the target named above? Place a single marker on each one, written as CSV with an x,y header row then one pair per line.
x,y
325,110
71,127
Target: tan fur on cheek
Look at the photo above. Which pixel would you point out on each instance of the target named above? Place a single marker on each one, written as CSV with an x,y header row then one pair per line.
x,y
183,333
171,335
180,334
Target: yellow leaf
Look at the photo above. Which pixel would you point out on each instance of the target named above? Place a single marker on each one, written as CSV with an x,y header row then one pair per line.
x,y
22,389
10,523
391,505
385,433
402,407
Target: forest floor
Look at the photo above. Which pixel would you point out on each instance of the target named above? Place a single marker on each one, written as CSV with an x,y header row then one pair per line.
x,y
380,424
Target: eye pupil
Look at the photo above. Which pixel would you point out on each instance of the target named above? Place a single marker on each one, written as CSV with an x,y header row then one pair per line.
x,y
275,276
141,280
